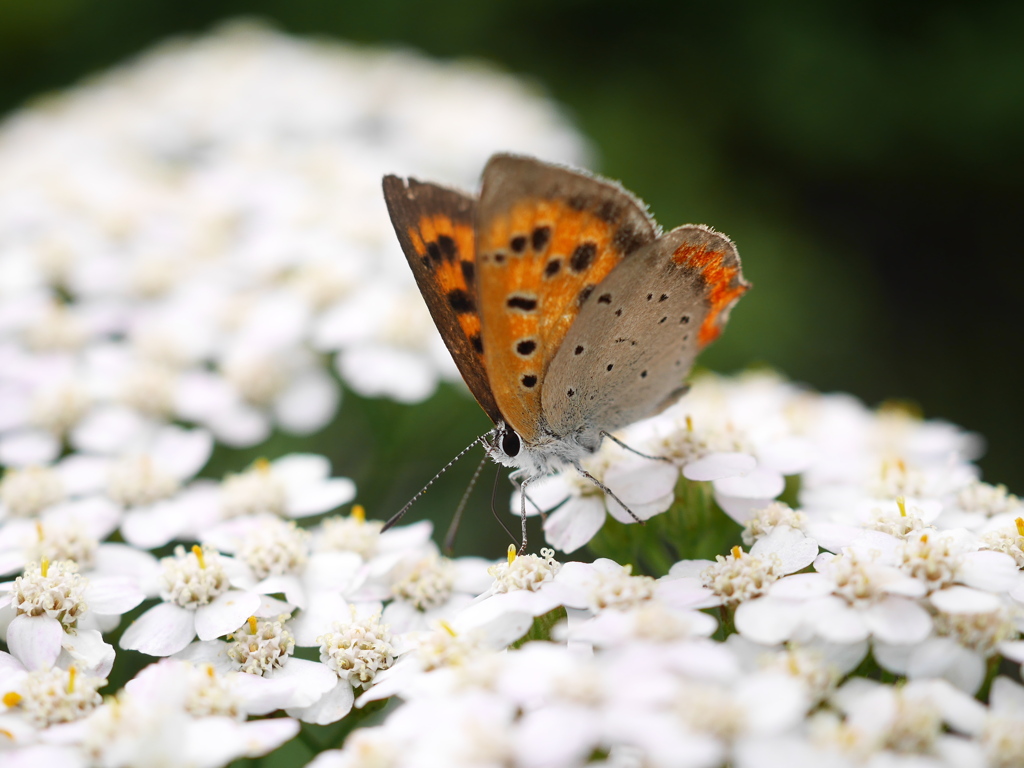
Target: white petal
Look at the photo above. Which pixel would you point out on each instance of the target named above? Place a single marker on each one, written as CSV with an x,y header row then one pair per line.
x,y
788,455
757,484
28,448
774,702
262,695
943,657
113,594
643,481
226,613
1013,650
833,620
717,466
767,620
690,569
324,609
794,550
35,641
263,736
991,571
556,736
162,630
297,470
89,652
203,394
109,431
574,523
97,515
379,371
898,620
182,452
332,570
740,509
212,652
308,404
685,593
1007,697
122,560
208,742
151,527
284,584
83,474
801,586
893,658
320,497
330,707
965,600
240,427
310,678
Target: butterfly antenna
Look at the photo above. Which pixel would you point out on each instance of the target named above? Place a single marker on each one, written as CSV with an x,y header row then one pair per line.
x,y
607,490
400,513
494,507
621,444
453,528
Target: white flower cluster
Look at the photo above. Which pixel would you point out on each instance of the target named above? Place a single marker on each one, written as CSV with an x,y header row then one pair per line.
x,y
184,245
194,248
635,677
189,239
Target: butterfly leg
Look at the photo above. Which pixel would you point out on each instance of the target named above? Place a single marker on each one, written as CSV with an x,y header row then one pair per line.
x,y
608,491
519,487
621,444
522,512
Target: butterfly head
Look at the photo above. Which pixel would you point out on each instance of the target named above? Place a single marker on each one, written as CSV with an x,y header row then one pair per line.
x,y
504,445
541,457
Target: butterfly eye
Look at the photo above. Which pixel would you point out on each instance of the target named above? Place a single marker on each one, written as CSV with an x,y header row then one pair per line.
x,y
510,444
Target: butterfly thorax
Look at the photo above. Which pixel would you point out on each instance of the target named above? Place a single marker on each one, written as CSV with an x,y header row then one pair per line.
x,y
543,456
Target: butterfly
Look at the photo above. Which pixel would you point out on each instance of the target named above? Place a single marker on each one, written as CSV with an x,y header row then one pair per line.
x,y
568,312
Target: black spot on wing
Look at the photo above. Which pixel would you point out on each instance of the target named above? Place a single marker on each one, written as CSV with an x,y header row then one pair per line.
x,y
627,239
449,250
529,381
583,256
461,301
525,303
526,347
468,271
518,243
552,267
540,237
608,211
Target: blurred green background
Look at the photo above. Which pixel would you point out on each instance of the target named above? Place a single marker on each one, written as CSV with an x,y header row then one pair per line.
x,y
865,156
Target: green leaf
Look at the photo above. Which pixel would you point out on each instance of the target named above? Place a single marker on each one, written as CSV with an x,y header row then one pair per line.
x,y
542,627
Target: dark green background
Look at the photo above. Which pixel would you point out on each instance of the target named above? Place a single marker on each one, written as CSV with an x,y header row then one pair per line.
x,y
866,158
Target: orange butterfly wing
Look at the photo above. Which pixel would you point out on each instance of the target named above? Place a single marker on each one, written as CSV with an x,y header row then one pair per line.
x,y
546,236
435,228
